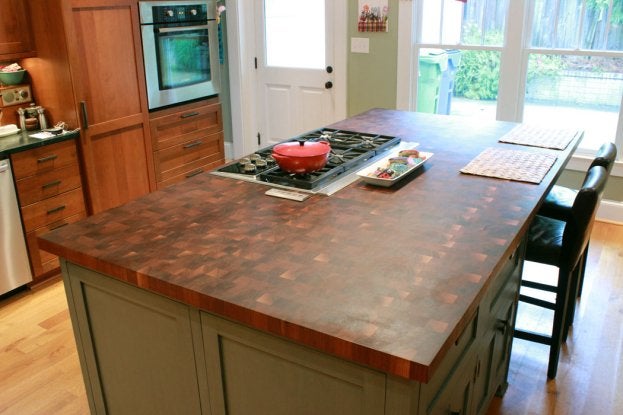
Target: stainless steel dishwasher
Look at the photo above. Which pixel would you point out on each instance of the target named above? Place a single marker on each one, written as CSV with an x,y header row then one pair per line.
x,y
14,267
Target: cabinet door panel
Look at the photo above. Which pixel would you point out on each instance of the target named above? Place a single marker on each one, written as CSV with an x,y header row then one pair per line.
x,y
110,93
137,347
105,40
119,170
15,36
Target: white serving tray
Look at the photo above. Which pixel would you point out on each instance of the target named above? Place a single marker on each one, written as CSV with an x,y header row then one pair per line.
x,y
363,173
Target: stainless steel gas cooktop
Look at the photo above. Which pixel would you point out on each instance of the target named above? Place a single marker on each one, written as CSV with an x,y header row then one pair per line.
x,y
350,151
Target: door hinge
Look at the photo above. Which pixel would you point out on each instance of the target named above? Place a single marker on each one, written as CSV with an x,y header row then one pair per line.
x,y
255,62
259,139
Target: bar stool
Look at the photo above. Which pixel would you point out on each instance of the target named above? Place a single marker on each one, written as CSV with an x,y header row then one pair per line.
x,y
562,244
559,200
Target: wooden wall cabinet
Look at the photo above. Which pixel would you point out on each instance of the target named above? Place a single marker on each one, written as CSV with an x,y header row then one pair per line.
x,y
50,195
187,140
15,31
89,73
105,57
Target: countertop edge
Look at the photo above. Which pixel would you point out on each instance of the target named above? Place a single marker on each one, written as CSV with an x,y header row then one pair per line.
x,y
314,339
25,142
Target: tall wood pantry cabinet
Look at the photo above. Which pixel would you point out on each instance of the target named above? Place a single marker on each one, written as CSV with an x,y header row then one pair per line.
x,y
89,70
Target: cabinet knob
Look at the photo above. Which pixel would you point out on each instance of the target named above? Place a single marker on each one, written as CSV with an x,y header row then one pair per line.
x,y
328,85
501,326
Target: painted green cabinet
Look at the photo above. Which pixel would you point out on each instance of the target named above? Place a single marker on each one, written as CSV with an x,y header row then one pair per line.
x,y
142,353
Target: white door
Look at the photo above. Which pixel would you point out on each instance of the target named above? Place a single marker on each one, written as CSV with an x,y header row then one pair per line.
x,y
300,67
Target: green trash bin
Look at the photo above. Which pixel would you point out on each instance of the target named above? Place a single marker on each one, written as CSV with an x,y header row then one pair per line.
x,y
433,63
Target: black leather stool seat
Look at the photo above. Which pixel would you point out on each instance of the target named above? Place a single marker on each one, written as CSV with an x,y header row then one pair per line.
x,y
558,202
545,240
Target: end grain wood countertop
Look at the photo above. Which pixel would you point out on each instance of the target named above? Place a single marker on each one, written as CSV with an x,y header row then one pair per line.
x,y
385,277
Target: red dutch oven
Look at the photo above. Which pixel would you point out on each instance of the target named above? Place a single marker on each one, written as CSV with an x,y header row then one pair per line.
x,y
301,157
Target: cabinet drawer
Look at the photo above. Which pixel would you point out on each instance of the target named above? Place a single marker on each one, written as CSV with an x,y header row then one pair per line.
x,y
35,188
171,130
43,261
189,170
178,159
44,159
53,209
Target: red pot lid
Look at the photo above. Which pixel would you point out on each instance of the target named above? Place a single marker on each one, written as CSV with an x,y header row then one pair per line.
x,y
302,148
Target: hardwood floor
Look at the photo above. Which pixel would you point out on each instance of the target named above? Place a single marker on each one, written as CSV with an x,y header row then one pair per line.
x,y
40,373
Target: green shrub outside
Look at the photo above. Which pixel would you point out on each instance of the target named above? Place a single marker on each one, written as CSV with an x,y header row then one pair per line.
x,y
479,71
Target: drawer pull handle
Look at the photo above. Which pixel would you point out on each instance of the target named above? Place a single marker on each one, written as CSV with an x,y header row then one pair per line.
x,y
56,209
193,144
47,158
194,173
59,226
51,184
189,114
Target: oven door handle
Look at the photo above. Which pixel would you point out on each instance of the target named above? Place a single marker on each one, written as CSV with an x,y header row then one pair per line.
x,y
181,28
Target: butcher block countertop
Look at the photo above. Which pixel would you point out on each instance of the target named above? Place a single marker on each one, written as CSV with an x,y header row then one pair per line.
x,y
385,277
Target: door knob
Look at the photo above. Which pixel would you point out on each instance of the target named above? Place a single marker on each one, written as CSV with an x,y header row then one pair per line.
x,y
329,69
328,85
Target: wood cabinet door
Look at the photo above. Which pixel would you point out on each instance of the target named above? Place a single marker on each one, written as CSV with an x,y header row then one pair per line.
x,y
106,64
15,35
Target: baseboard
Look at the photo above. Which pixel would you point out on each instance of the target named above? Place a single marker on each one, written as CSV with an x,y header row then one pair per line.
x,y
610,211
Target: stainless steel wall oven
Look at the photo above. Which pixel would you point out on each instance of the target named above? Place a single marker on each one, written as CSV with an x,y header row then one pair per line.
x,y
180,50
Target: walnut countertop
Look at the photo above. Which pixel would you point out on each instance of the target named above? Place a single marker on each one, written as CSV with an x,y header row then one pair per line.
x,y
386,277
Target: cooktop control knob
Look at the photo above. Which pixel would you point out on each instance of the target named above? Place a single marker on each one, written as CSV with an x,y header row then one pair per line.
x,y
193,12
170,13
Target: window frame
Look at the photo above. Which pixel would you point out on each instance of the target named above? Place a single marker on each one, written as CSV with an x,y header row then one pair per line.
x,y
513,70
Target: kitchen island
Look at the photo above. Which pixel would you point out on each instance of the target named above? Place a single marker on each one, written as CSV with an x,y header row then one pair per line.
x,y
211,297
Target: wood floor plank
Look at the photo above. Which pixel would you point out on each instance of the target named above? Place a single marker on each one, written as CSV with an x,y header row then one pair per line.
x,y
40,372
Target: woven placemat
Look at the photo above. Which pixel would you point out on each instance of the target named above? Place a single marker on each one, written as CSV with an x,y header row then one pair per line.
x,y
522,166
536,136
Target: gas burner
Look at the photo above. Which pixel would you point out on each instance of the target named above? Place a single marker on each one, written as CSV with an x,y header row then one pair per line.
x,y
349,150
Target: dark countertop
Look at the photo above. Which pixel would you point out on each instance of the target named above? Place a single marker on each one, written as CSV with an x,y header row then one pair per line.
x,y
22,141
386,277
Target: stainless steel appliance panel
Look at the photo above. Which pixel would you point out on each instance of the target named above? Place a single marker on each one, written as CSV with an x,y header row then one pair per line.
x,y
14,266
180,51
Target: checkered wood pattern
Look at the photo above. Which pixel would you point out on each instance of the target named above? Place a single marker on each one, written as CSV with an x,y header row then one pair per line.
x,y
386,277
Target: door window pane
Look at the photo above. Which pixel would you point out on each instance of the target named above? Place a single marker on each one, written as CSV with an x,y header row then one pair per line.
x,y
583,92
295,33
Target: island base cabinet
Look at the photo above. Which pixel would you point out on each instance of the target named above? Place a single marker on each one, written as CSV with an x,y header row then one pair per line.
x,y
143,353
260,374
136,349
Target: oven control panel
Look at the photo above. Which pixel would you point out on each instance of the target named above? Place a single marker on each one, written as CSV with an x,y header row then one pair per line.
x,y
15,95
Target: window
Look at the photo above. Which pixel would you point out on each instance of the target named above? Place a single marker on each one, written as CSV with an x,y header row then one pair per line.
x,y
562,66
295,33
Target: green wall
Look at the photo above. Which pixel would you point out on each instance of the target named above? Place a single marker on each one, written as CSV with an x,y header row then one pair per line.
x,y
371,77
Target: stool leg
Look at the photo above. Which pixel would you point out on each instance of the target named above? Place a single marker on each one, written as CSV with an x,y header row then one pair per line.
x,y
571,300
584,260
560,313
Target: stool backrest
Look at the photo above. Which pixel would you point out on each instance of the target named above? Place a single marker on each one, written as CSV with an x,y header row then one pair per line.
x,y
605,156
579,226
